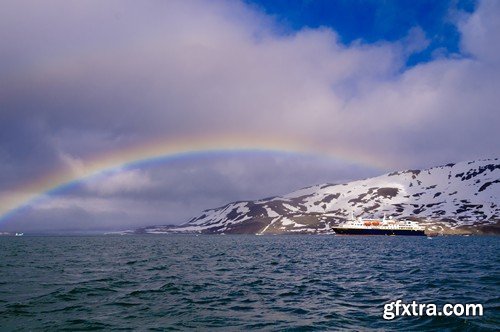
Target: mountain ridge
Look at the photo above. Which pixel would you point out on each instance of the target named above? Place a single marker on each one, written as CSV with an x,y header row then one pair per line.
x,y
453,198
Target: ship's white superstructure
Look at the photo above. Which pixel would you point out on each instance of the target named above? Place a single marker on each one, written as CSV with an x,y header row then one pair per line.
x,y
384,226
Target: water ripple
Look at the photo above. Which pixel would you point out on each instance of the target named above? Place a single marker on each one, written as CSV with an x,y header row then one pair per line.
x,y
303,283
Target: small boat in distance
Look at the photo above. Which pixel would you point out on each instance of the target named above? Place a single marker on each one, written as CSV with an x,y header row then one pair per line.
x,y
361,226
19,234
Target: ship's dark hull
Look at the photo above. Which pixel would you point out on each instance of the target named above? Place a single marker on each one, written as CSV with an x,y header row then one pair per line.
x,y
371,231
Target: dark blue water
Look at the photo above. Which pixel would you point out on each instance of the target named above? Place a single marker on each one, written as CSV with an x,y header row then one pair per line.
x,y
243,282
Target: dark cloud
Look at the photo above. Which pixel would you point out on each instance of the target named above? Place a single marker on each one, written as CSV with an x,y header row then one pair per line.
x,y
171,192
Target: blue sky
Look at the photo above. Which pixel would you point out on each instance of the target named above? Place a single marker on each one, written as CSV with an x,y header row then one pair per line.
x,y
372,21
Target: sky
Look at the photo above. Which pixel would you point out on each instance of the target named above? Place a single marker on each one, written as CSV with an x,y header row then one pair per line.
x,y
122,114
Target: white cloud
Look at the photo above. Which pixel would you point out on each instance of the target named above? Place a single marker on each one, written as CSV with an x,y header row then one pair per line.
x,y
205,68
119,182
481,31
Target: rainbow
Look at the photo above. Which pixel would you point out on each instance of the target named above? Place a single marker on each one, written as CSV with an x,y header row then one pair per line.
x,y
27,195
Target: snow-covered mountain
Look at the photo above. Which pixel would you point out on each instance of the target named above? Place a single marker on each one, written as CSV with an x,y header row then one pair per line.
x,y
453,197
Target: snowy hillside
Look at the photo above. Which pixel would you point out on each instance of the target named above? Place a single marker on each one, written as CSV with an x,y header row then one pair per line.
x,y
454,196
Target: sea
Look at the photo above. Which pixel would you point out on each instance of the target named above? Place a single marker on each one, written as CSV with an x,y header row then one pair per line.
x,y
243,282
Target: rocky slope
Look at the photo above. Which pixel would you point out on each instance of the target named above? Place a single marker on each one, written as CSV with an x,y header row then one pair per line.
x,y
453,198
